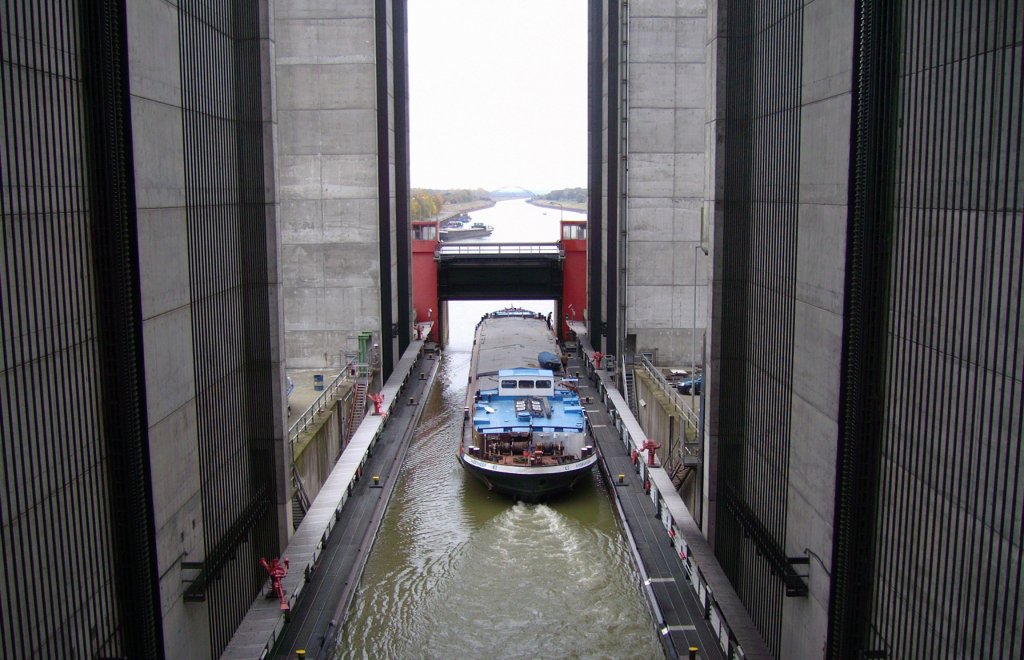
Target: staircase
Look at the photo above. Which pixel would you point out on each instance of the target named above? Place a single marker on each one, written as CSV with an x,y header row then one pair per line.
x,y
680,474
630,386
300,499
358,409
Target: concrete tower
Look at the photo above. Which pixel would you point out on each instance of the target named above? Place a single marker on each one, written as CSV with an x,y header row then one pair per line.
x,y
142,400
859,169
647,155
342,152
865,397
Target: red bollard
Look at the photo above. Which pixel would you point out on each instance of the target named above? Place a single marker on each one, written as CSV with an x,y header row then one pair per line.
x,y
276,571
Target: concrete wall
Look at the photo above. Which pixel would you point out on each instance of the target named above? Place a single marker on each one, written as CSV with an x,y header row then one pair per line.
x,y
326,108
168,308
664,103
817,359
663,422
327,157
156,99
317,459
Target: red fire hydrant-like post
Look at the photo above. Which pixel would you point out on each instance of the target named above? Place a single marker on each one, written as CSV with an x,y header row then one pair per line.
x,y
597,359
378,401
276,570
650,446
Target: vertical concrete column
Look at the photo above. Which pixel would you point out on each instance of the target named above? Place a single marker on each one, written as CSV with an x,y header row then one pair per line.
x,y
664,105
326,76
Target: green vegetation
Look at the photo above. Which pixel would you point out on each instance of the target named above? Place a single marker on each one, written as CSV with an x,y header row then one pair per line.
x,y
428,203
566,195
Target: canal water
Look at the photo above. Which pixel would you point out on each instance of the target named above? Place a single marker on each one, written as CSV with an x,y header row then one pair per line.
x,y
459,572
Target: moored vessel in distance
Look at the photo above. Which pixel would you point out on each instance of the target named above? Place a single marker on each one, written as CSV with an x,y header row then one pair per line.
x,y
456,221
474,230
524,430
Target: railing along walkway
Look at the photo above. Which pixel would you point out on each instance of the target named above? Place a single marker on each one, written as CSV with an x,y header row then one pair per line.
x,y
722,608
449,250
312,414
264,622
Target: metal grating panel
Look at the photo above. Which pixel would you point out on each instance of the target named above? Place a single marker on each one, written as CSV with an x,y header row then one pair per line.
x,y
77,520
228,274
760,199
946,533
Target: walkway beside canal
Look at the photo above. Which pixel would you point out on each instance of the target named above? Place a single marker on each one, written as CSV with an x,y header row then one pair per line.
x,y
693,602
329,549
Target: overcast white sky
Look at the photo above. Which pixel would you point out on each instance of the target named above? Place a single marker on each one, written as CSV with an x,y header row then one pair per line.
x,y
498,93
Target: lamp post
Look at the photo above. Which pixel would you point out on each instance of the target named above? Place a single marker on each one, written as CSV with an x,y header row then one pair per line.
x,y
693,333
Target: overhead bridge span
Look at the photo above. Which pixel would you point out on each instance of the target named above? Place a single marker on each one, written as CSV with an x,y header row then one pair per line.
x,y
495,271
483,270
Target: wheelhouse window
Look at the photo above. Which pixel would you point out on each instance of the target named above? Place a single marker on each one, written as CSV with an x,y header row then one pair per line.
x,y
526,384
424,232
508,384
574,232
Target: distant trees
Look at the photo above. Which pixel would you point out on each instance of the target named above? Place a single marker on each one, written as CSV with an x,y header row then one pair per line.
x,y
566,195
465,195
426,203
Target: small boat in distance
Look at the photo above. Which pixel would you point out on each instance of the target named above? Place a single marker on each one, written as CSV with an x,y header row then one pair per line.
x,y
456,221
524,429
474,230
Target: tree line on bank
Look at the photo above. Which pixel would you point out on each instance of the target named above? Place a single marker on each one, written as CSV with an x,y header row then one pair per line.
x,y
566,195
425,203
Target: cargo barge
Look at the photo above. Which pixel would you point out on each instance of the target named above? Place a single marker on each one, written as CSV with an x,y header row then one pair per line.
x,y
524,429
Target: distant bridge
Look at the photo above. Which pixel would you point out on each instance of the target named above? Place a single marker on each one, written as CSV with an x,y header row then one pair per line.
x,y
513,191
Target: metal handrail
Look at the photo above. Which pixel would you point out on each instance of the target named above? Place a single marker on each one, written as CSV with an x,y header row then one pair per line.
x,y
498,248
626,390
668,389
309,415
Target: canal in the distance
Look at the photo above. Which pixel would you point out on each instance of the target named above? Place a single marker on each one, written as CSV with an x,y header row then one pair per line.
x,y
459,572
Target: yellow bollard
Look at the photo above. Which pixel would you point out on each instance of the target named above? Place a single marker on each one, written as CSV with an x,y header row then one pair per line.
x,y
376,480
693,653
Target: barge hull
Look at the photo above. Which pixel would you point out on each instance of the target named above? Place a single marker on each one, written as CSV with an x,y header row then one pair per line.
x,y
531,487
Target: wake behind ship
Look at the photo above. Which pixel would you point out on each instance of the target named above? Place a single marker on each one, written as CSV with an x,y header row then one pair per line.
x,y
524,433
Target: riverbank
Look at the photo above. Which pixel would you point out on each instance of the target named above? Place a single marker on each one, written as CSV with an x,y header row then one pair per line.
x,y
452,210
576,207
